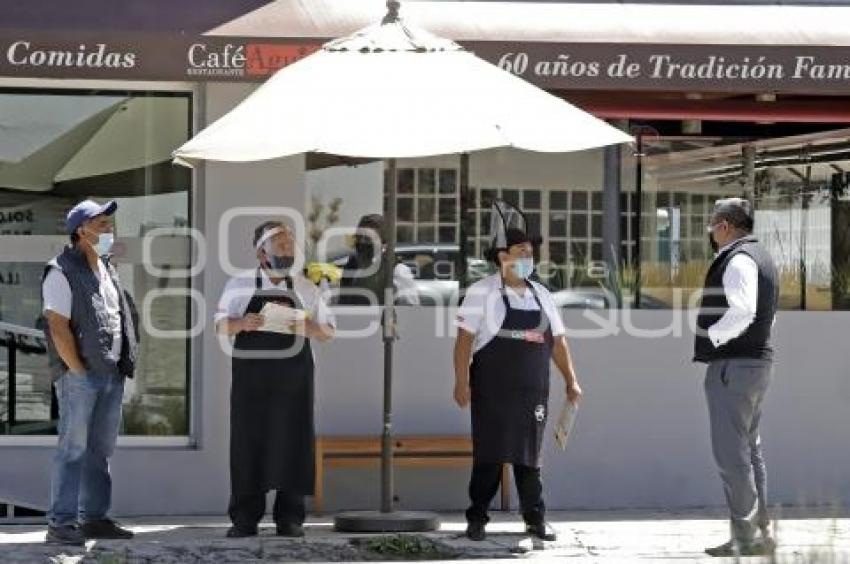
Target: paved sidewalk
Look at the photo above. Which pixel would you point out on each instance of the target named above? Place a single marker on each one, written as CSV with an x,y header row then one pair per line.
x,y
615,536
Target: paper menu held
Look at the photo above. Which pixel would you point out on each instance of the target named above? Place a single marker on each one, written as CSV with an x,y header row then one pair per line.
x,y
564,425
278,318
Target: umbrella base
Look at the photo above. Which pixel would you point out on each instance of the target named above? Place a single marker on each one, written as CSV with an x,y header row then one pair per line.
x,y
392,522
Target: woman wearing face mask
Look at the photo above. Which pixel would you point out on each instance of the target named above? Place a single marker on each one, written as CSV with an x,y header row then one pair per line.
x,y
508,331
271,404
364,274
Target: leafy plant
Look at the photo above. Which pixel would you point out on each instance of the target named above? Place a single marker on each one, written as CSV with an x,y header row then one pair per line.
x,y
402,546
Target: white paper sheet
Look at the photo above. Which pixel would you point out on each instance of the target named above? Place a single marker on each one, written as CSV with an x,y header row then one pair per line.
x,y
279,319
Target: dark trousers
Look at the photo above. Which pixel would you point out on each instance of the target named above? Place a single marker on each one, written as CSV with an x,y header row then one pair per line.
x,y
485,482
246,510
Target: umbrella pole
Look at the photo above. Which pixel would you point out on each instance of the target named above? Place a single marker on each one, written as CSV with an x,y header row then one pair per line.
x,y
466,227
389,325
387,520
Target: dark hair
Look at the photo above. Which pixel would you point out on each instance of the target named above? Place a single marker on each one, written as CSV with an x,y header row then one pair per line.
x,y
736,211
263,227
75,237
374,222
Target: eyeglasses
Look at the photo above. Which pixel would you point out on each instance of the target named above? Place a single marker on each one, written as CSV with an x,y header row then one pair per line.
x,y
710,227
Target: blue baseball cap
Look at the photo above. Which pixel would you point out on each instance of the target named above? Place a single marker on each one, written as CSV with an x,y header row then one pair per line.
x,y
86,210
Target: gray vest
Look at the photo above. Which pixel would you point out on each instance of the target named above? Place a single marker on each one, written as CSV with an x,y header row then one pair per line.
x,y
89,319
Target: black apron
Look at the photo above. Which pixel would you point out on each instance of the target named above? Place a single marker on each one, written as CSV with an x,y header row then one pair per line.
x,y
271,406
509,378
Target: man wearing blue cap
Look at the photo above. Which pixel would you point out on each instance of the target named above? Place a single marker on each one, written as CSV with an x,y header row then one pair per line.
x,y
92,346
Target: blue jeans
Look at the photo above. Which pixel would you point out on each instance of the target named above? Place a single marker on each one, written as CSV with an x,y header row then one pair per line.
x,y
89,421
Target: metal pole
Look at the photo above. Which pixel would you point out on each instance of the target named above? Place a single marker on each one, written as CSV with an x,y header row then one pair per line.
x,y
11,405
639,212
748,175
611,236
804,226
389,324
465,227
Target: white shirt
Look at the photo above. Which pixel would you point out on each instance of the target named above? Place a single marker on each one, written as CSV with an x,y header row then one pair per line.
x,y
740,285
483,311
56,291
239,290
405,285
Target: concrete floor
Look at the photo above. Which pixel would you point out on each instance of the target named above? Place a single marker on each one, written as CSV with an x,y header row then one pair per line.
x,y
614,536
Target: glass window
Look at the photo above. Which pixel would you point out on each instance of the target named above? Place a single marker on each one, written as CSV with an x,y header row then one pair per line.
x,y
448,210
800,203
404,234
596,226
80,131
405,181
557,200
531,200
578,225
511,197
426,210
448,234
579,201
405,209
425,233
448,181
557,224
426,180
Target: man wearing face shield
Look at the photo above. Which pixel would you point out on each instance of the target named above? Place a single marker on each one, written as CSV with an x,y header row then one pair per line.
x,y
92,347
364,273
733,338
271,405
509,330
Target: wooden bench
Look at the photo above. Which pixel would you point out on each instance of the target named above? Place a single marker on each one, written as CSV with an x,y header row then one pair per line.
x,y
412,451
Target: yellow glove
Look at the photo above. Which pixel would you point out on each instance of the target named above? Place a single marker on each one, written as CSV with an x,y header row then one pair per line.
x,y
318,270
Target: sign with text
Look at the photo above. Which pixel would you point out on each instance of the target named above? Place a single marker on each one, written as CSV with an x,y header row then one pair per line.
x,y
560,66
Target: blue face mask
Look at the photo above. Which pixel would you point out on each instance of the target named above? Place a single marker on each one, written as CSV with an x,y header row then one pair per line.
x,y
104,244
523,267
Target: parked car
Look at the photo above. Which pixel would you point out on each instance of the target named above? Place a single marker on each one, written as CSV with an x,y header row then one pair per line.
x,y
433,267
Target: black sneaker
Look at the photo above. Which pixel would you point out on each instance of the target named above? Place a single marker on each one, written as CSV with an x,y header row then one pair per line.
x,y
541,531
239,533
70,535
759,547
725,549
294,530
475,531
105,529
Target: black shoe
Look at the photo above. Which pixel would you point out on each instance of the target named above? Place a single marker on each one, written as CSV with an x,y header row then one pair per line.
x,y
759,547
294,530
725,549
70,535
239,533
541,531
475,531
105,529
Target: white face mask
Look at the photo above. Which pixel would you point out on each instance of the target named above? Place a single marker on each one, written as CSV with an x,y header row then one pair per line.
x,y
523,267
104,244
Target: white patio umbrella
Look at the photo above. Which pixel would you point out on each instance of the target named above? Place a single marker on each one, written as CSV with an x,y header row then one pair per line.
x,y
394,91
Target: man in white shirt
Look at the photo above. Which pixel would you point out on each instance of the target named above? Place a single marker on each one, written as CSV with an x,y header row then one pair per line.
x,y
509,331
736,316
92,347
272,438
